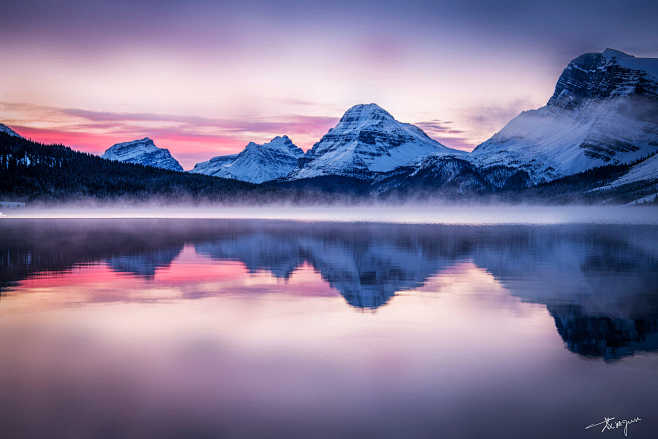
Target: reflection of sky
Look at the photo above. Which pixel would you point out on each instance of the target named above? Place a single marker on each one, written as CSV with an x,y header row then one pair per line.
x,y
189,276
208,348
259,309
204,78
458,354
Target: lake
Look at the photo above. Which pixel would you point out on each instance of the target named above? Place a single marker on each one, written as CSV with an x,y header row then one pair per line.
x,y
134,328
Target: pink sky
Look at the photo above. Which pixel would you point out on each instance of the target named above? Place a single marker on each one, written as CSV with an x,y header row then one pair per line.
x,y
205,78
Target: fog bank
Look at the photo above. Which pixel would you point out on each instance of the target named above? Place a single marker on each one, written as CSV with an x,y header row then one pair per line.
x,y
404,213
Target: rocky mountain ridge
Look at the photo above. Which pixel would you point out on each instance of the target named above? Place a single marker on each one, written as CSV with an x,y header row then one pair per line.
x,y
142,152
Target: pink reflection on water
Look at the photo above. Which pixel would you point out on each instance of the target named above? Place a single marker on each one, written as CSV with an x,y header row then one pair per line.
x,y
188,276
258,354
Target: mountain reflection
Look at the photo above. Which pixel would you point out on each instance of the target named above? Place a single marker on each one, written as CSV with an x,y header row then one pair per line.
x,y
365,265
599,283
605,336
144,264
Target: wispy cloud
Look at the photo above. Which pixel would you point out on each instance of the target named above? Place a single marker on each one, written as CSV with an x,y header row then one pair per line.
x,y
190,138
445,132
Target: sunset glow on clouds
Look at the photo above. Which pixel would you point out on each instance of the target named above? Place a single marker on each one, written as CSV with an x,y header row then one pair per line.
x,y
204,78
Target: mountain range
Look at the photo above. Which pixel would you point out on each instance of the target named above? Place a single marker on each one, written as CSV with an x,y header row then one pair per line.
x,y
597,134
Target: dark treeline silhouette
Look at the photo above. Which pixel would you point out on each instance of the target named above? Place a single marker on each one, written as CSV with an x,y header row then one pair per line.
x,y
31,171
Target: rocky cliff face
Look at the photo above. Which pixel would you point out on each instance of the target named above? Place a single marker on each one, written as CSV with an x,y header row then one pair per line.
x,y
603,75
142,152
604,111
368,140
256,163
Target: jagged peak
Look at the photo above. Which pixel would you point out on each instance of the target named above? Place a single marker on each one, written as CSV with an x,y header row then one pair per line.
x,y
281,139
281,143
608,74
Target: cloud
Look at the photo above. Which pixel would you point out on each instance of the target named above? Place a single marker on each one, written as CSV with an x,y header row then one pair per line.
x,y
438,126
444,132
192,138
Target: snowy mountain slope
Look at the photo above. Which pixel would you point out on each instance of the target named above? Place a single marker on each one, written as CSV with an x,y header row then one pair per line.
x,y
5,129
646,170
142,152
604,111
445,172
367,140
212,166
256,163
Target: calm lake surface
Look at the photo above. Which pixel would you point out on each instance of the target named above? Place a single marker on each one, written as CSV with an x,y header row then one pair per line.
x,y
236,328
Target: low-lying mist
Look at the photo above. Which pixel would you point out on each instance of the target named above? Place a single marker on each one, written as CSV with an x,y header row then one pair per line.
x,y
411,213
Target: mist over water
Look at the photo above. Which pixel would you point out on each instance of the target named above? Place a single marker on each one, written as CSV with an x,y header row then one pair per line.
x,y
414,213
157,327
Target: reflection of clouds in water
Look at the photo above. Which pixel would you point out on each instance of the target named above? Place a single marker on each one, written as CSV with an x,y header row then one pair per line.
x,y
606,272
244,333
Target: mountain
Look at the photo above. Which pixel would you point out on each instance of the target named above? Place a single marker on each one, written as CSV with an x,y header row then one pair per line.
x,y
214,165
604,111
33,171
5,129
142,152
256,163
368,140
450,173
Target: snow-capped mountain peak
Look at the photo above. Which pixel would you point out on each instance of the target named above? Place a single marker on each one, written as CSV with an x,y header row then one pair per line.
x,y
142,152
368,140
5,129
256,163
361,115
611,73
603,112
281,144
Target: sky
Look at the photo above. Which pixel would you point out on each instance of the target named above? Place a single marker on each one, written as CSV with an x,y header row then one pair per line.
x,y
204,78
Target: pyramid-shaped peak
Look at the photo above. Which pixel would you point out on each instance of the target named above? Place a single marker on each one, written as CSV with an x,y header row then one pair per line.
x,y
365,112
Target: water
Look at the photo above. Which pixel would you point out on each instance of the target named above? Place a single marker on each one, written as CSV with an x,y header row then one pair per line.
x,y
238,328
